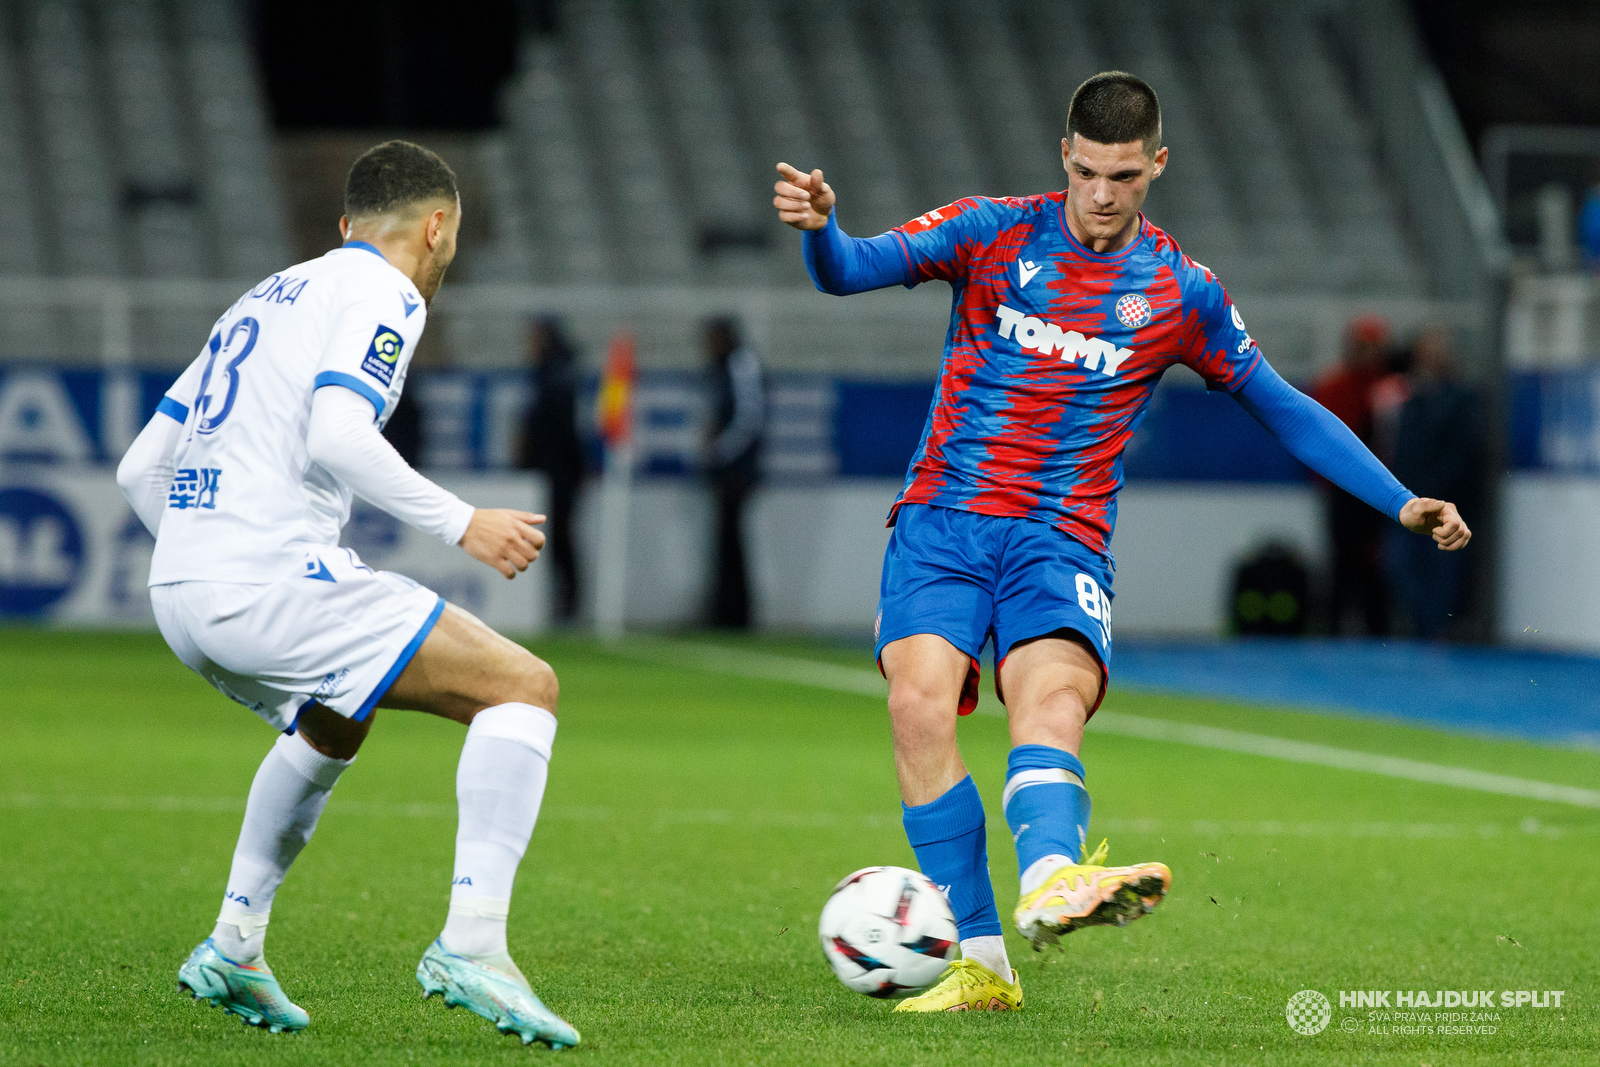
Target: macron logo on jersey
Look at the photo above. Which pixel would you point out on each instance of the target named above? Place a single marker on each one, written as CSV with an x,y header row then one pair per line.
x,y
1046,337
383,354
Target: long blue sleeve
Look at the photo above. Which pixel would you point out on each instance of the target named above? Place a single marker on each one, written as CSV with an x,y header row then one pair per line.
x,y
1315,436
841,265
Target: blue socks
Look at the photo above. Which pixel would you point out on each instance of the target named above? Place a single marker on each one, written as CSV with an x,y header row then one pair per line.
x,y
948,838
1047,808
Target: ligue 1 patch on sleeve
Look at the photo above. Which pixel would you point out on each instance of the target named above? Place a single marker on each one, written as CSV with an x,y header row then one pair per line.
x,y
384,354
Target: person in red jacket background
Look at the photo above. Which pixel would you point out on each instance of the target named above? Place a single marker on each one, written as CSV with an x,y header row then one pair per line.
x,y
1355,531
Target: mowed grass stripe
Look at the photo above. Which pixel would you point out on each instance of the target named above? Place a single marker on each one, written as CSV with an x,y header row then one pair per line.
x,y
766,666
799,820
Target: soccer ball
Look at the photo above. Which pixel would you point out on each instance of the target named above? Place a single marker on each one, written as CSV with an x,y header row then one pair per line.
x,y
887,931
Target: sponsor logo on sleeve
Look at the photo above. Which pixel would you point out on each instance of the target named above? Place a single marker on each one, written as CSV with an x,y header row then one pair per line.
x,y
1238,324
930,219
383,354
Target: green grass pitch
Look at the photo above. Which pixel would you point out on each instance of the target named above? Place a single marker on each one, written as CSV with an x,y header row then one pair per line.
x,y
694,825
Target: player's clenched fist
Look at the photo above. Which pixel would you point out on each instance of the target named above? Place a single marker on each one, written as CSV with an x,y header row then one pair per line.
x,y
1424,515
803,200
504,539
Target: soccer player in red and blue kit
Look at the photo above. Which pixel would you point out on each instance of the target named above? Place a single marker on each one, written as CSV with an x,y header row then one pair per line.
x,y
1067,309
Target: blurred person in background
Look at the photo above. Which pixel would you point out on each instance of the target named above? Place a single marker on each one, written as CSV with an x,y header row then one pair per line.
x,y
1389,395
550,443
1589,228
1354,529
404,430
1439,451
733,453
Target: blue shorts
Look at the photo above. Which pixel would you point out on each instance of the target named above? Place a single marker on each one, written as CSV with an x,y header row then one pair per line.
x,y
968,578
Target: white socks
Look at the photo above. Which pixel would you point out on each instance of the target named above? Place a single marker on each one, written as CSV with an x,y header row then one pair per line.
x,y
286,799
499,786
989,950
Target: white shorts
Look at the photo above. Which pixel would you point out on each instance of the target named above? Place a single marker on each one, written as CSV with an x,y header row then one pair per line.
x,y
336,632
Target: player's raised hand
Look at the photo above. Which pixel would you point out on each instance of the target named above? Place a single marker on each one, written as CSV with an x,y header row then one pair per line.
x,y
1439,518
504,539
803,200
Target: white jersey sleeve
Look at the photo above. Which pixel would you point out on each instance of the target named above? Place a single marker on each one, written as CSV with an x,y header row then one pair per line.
x,y
145,473
177,400
344,442
364,352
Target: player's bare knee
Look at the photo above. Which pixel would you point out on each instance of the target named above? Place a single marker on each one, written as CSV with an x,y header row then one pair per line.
x,y
1067,700
535,682
910,702
920,715
1073,698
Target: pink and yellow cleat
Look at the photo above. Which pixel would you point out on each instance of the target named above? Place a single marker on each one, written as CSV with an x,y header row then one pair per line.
x,y
1090,894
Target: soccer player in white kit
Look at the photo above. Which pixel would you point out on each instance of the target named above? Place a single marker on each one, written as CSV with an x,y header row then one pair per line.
x,y
245,476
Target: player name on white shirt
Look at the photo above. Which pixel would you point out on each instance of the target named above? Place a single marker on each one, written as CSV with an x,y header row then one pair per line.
x,y
247,502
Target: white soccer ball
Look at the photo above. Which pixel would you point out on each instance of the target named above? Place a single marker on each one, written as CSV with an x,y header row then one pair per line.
x,y
888,932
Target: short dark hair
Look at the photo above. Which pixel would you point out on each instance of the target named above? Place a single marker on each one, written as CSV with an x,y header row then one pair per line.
x,y
394,175
1114,107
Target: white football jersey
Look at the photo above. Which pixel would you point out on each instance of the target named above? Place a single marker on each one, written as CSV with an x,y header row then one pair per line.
x,y
247,501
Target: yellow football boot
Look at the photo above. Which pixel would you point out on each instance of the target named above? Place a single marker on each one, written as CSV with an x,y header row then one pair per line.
x,y
968,986
1090,894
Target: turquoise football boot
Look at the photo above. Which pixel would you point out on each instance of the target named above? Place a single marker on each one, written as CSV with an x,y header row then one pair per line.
x,y
502,998
252,993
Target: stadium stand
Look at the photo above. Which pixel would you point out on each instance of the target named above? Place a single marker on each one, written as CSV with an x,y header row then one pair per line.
x,y
552,164
134,132
647,224
233,141
636,146
1278,181
133,114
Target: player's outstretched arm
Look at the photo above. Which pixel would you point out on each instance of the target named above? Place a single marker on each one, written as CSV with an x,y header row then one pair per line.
x,y
1316,437
839,264
344,441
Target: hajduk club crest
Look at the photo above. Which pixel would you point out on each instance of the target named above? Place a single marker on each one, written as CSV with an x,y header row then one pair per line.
x,y
1133,311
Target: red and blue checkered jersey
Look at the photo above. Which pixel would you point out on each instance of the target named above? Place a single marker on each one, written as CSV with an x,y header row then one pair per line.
x,y
1053,354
